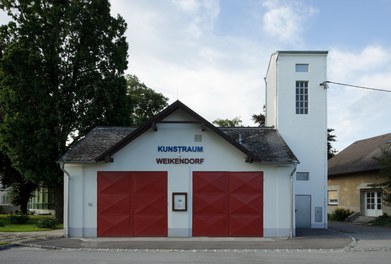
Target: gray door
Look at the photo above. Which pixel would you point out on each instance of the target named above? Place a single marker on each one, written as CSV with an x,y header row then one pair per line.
x,y
303,211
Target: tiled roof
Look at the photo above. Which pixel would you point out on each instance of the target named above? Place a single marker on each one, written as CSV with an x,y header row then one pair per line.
x,y
259,144
359,156
266,144
96,142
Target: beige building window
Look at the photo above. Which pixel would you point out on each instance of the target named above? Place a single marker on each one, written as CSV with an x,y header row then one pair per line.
x,y
333,197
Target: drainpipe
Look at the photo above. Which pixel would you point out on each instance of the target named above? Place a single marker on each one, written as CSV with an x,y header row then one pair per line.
x,y
62,166
293,210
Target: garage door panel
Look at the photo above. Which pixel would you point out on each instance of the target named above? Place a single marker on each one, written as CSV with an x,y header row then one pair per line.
x,y
210,183
246,183
116,225
210,225
114,204
245,225
150,209
245,204
227,204
150,183
149,225
132,204
210,204
113,184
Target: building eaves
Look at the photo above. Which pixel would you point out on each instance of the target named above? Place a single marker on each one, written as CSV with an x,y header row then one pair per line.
x,y
96,142
302,52
359,156
265,143
159,118
259,144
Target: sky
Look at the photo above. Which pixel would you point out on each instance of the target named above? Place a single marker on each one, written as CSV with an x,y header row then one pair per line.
x,y
213,54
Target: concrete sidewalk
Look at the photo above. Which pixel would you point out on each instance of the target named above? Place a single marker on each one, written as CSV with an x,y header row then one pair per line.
x,y
29,237
306,239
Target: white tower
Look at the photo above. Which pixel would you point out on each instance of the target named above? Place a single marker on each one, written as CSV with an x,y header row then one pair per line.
x,y
296,105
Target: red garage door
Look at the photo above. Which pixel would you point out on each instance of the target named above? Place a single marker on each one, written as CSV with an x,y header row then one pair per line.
x,y
227,204
132,204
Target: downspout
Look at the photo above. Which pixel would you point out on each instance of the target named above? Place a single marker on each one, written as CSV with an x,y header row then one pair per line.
x,y
292,233
62,166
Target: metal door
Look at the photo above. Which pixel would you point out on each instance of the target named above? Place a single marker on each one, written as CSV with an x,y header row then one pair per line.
x,y
132,204
227,204
303,211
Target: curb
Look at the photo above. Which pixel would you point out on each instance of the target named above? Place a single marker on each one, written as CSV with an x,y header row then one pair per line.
x,y
352,244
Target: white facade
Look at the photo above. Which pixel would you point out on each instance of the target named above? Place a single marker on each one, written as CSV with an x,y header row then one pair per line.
x,y
294,193
141,154
5,206
306,133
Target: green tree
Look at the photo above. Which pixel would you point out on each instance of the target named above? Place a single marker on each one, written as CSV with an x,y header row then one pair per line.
x,y
384,161
145,102
236,122
259,119
62,69
330,138
20,190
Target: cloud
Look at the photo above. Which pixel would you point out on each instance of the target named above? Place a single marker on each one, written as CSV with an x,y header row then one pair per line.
x,y
221,75
284,20
358,113
203,15
174,49
347,64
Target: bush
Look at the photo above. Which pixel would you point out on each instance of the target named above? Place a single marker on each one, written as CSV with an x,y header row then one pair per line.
x,y
2,224
383,220
340,214
18,219
49,222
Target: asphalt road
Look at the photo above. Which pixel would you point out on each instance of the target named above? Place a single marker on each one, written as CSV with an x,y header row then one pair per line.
x,y
40,256
373,245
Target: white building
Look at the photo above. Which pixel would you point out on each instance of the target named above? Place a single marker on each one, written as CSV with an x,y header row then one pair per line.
x,y
5,206
296,105
180,176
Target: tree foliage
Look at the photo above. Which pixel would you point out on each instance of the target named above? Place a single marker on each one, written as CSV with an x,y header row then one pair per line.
x,y
259,119
145,102
331,152
62,69
235,122
19,189
61,73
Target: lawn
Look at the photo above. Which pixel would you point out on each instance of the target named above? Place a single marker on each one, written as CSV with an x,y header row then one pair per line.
x,y
28,227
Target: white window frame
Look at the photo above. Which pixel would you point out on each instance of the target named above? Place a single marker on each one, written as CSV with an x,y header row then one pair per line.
x,y
332,201
302,97
302,67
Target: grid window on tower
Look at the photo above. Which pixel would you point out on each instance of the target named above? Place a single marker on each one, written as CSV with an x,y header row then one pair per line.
x,y
302,97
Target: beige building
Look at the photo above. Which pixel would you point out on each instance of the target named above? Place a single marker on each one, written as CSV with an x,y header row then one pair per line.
x,y
351,174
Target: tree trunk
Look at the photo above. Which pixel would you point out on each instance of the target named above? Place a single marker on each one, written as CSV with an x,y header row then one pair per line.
x,y
59,202
23,207
25,190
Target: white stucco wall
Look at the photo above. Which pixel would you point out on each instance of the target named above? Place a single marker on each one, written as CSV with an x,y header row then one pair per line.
x,y
306,134
141,154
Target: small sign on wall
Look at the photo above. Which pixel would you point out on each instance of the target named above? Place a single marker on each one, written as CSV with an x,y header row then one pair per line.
x,y
179,201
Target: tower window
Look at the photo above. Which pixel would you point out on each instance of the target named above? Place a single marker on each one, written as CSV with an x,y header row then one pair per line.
x,y
301,67
302,97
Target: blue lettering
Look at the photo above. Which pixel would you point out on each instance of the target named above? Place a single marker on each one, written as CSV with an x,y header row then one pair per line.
x,y
180,149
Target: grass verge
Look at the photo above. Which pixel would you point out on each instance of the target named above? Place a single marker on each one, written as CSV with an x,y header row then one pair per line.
x,y
30,226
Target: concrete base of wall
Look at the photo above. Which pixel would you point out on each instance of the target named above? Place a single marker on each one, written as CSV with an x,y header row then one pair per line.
x,y
277,232
82,232
179,232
